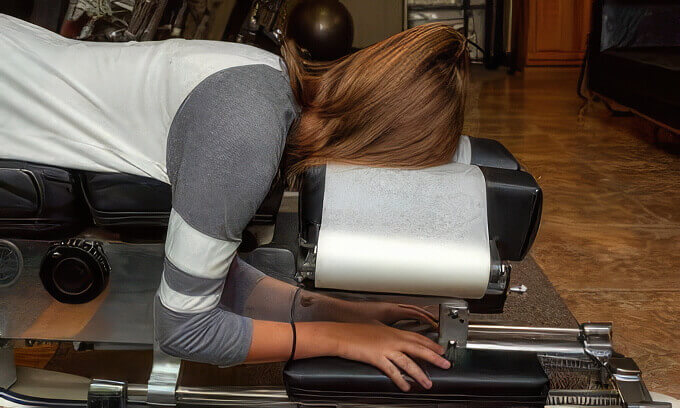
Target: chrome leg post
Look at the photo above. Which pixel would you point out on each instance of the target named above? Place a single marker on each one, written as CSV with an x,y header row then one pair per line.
x,y
8,370
627,379
163,379
107,394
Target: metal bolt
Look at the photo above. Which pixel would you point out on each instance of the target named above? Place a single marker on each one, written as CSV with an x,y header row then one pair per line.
x,y
518,289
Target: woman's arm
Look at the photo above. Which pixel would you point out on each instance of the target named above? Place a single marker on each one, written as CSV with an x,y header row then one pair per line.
x,y
386,348
272,299
224,147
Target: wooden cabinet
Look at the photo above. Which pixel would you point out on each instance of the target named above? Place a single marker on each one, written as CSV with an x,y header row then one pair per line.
x,y
556,31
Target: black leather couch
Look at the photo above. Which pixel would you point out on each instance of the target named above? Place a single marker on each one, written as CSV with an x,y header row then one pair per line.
x,y
634,56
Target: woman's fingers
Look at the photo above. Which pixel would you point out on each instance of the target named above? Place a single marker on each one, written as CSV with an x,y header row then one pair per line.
x,y
390,370
420,310
428,355
417,314
423,341
411,368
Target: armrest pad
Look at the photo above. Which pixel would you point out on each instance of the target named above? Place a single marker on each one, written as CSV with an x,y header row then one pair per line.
x,y
476,377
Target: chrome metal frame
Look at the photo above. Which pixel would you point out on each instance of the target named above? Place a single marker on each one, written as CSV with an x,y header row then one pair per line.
x,y
163,379
8,371
590,342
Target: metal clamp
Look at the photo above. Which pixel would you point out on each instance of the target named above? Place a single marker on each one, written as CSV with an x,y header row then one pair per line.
x,y
597,340
307,266
454,319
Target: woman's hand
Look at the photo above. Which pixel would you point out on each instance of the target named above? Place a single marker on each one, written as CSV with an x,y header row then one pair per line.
x,y
389,350
384,347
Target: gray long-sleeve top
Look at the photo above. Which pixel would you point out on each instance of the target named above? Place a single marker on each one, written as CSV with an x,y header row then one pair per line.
x,y
224,147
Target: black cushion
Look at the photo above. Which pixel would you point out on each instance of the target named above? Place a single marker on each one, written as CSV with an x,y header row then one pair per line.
x,y
125,199
477,378
514,203
118,199
491,153
38,201
19,195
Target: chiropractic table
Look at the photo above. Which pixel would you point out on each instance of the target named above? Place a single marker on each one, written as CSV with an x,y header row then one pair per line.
x,y
90,245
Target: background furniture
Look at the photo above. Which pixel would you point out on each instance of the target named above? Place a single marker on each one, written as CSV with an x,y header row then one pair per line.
x,y
634,57
549,32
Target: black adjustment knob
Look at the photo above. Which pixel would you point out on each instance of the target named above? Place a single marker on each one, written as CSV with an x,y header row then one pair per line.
x,y
75,271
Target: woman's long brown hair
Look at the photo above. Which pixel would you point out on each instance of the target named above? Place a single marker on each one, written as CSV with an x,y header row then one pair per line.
x,y
397,103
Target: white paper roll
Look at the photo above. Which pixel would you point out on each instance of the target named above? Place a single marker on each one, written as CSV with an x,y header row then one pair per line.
x,y
404,231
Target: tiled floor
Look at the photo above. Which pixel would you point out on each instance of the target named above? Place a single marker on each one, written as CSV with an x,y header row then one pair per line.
x,y
610,236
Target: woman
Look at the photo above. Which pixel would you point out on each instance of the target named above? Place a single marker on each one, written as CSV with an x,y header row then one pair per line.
x,y
214,120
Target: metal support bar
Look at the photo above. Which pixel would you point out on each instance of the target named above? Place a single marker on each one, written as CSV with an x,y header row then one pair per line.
x,y
505,330
223,396
565,348
8,370
234,396
163,379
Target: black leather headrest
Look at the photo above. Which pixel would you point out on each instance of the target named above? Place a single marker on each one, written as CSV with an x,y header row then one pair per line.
x,y
491,153
514,204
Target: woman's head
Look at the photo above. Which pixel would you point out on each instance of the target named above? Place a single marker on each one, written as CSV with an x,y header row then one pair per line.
x,y
397,103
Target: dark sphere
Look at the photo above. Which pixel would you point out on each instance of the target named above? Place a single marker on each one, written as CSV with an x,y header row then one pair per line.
x,y
322,27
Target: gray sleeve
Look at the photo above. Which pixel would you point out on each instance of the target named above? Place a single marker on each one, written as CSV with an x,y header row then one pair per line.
x,y
224,148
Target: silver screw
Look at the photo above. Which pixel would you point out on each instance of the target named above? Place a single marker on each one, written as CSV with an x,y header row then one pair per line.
x,y
519,289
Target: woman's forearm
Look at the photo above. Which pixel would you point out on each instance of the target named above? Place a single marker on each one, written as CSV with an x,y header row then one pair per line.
x,y
271,300
273,341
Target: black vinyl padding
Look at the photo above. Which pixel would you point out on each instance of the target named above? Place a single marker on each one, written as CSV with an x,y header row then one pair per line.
x,y
310,203
514,203
41,202
18,194
124,199
118,199
37,201
491,153
476,378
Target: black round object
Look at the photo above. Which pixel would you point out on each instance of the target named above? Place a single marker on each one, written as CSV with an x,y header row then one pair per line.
x,y
11,263
323,27
75,271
